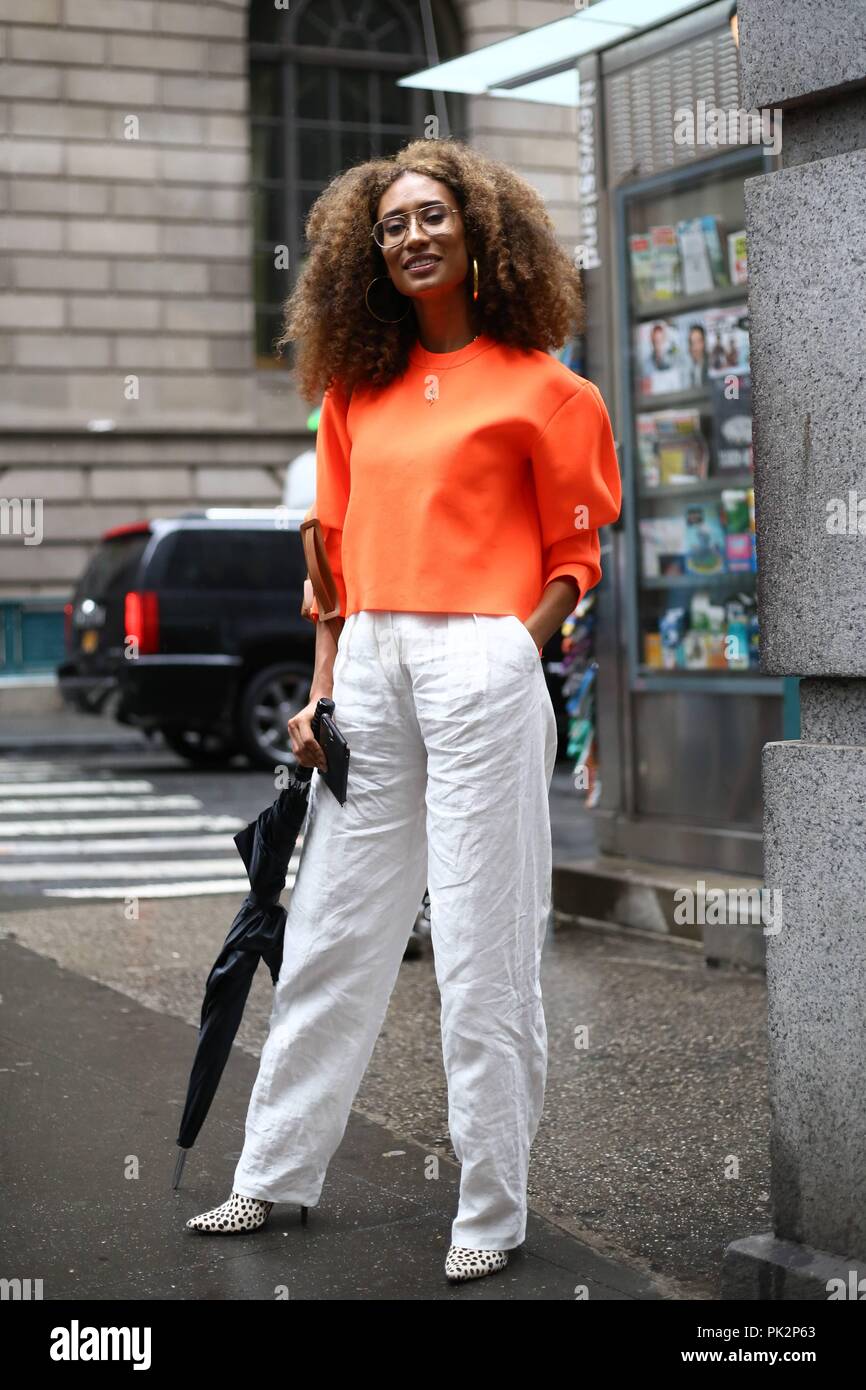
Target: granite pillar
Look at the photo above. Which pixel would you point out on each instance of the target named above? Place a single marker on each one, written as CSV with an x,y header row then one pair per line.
x,y
806,225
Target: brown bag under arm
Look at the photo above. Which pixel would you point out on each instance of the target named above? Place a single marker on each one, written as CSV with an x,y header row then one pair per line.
x,y
320,572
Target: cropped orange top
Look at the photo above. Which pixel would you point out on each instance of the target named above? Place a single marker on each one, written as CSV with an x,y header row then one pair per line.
x,y
466,484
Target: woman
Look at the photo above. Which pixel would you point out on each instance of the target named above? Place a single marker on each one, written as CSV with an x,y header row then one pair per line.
x,y
462,475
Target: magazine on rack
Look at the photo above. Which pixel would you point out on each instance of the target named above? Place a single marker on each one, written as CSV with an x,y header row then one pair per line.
x,y
666,264
686,259
732,423
659,357
671,448
640,255
713,237
672,355
663,543
697,271
727,335
738,260
705,547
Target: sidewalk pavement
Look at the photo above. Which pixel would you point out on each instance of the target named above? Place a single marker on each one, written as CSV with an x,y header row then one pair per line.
x,y
656,1077
94,1085
629,1190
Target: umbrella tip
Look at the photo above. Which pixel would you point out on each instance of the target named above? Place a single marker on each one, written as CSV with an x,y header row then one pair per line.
x,y
178,1169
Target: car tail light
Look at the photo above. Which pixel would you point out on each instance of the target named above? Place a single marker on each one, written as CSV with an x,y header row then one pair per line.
x,y
141,620
132,528
67,626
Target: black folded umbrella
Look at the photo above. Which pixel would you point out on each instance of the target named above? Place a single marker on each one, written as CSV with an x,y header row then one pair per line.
x,y
266,846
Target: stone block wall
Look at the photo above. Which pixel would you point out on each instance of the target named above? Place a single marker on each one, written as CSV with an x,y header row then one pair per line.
x,y
126,264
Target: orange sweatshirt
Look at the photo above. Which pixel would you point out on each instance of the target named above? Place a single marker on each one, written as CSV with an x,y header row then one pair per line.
x,y
465,485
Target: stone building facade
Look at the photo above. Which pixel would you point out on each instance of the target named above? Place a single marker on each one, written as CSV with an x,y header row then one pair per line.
x,y
132,382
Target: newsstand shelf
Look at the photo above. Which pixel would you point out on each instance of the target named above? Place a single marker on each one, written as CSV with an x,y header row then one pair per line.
x,y
667,308
717,682
705,488
697,581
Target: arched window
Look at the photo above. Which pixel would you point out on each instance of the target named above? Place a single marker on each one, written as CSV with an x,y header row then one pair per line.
x,y
323,95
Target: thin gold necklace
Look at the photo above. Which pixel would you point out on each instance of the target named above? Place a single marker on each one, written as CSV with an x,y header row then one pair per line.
x,y
431,391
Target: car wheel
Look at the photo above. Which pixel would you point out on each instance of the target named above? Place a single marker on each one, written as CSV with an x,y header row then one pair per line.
x,y
269,701
201,749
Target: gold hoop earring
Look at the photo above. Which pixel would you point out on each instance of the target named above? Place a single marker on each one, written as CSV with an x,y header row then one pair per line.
x,y
371,311
474,278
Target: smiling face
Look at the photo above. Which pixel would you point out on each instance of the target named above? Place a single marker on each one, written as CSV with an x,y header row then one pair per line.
x,y
429,262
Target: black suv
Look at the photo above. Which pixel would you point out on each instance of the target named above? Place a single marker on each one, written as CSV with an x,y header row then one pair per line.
x,y
192,626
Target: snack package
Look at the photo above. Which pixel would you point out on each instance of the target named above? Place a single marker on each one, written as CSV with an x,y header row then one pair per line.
x,y
652,650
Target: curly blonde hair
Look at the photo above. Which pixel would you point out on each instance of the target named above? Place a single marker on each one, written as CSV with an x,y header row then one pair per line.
x,y
529,289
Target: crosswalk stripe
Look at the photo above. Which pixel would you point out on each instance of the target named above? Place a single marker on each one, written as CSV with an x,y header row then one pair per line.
x,y
103,803
18,767
45,829
189,868
159,890
156,844
90,788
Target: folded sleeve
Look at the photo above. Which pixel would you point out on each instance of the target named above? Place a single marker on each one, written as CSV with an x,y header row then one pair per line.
x,y
332,484
577,486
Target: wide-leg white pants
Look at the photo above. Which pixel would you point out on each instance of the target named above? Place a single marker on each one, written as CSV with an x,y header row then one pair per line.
x,y
453,740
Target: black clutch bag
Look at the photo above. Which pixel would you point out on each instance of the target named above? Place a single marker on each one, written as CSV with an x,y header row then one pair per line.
x,y
335,748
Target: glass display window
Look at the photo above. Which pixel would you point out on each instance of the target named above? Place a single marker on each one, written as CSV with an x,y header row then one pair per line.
x,y
687,384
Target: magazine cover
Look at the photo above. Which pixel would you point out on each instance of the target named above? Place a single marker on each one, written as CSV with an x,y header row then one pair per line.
x,y
737,518
713,237
695,256
705,546
647,450
640,255
671,448
732,423
727,333
738,261
691,331
659,357
663,540
666,264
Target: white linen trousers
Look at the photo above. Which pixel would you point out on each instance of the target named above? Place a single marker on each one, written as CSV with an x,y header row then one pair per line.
x,y
453,740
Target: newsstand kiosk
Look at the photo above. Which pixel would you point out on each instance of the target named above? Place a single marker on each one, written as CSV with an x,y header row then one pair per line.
x,y
682,710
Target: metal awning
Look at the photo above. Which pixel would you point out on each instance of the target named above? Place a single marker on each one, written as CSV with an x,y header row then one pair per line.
x,y
540,64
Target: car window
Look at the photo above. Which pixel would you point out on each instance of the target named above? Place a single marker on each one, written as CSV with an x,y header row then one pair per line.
x,y
236,560
113,565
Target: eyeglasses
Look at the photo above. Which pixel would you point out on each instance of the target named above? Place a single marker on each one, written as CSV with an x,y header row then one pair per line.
x,y
436,220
